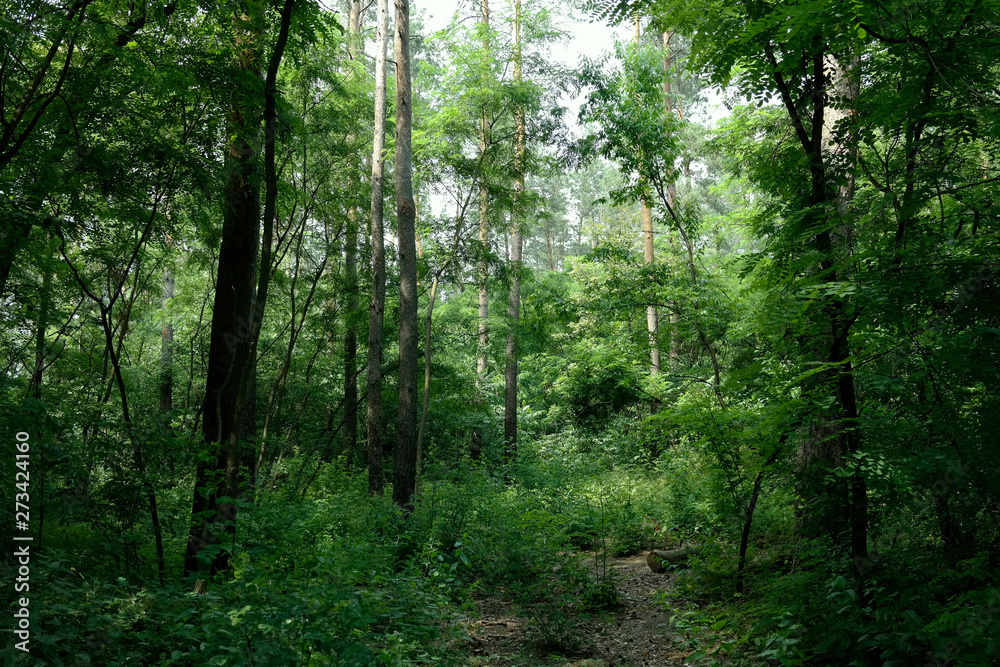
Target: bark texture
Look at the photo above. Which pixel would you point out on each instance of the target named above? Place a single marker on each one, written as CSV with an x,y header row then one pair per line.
x,y
517,245
228,408
350,442
406,425
376,303
484,238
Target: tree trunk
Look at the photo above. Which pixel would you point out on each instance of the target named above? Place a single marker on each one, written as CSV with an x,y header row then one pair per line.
x,y
15,233
406,425
484,239
427,384
652,324
675,339
350,442
239,305
376,304
548,245
517,245
229,347
167,353
834,434
659,560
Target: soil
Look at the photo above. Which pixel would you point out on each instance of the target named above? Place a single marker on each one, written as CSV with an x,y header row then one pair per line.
x,y
637,634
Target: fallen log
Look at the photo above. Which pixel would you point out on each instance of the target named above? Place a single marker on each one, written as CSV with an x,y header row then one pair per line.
x,y
659,560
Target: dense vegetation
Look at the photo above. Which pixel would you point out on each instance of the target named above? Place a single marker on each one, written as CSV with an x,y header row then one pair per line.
x,y
285,407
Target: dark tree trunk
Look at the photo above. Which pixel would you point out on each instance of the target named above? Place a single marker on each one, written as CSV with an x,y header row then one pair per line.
x,y
843,509
350,442
376,305
239,308
167,353
406,430
229,359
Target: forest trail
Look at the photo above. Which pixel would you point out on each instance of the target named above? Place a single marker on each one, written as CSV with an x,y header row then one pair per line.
x,y
637,634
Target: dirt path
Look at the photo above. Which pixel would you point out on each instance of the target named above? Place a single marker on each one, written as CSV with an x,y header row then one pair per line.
x,y
636,635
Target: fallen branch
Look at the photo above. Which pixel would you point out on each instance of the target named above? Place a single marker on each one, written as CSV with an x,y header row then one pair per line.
x,y
659,560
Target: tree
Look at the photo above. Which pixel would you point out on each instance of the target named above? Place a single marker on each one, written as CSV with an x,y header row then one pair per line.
x,y
517,243
238,313
376,304
484,220
406,429
351,273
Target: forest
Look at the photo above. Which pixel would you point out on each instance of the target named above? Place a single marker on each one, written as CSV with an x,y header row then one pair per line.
x,y
335,335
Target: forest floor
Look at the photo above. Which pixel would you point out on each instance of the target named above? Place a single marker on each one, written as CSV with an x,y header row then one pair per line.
x,y
637,634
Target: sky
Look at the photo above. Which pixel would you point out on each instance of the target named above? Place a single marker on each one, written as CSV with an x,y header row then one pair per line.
x,y
587,38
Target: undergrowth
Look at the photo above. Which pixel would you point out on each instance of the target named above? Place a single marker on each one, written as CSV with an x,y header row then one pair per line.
x,y
335,577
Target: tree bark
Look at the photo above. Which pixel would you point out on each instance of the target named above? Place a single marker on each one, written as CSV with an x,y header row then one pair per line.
x,y
652,324
350,441
167,352
376,304
213,520
675,339
427,383
658,560
517,245
406,424
484,237
239,304
548,245
835,433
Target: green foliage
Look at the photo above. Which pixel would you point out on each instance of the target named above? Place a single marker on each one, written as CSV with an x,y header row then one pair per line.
x,y
317,583
632,129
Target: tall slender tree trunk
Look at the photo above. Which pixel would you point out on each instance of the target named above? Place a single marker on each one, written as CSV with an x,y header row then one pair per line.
x,y
548,245
167,352
484,237
652,320
842,509
668,110
517,244
350,442
376,304
406,424
675,339
652,324
845,85
427,383
35,387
